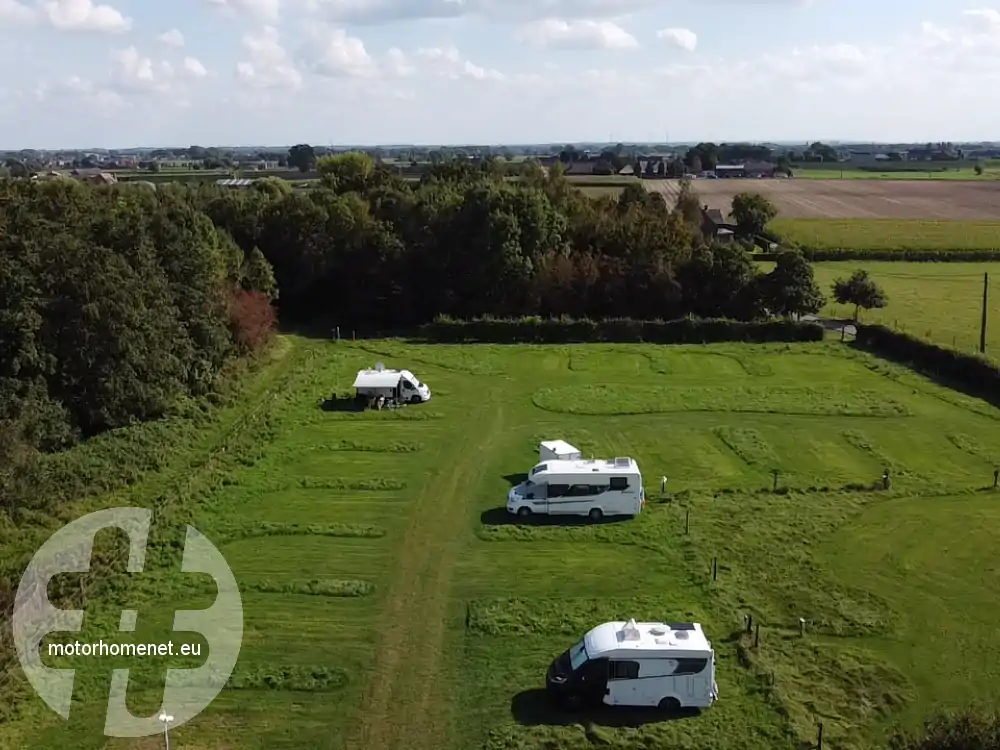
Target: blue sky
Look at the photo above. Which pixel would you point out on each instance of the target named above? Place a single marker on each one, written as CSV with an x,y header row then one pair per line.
x,y
78,73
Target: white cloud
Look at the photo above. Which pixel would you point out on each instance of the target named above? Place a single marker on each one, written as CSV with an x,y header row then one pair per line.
x,y
398,64
266,11
173,38
84,15
74,88
194,67
350,77
987,16
582,34
387,11
331,52
15,13
684,39
447,62
270,65
133,72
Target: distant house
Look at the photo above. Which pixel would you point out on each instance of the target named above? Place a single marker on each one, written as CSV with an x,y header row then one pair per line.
x,y
714,225
723,171
759,169
260,164
94,176
579,168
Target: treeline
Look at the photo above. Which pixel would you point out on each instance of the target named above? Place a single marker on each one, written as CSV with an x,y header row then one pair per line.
x,y
116,301
535,330
369,249
114,304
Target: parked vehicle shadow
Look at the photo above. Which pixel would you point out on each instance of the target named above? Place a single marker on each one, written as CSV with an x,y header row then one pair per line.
x,y
536,708
515,479
342,403
500,517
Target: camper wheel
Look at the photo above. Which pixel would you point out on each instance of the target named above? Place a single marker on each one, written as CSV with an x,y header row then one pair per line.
x,y
596,514
414,399
671,705
523,512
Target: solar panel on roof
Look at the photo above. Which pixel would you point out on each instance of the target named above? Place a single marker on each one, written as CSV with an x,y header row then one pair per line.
x,y
680,625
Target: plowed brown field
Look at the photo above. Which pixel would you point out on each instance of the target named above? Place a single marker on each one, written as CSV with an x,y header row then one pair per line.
x,y
852,199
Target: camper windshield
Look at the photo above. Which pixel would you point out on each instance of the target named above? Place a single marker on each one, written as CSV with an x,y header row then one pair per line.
x,y
577,656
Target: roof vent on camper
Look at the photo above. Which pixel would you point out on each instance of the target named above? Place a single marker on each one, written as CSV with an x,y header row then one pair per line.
x,y
623,462
631,631
681,635
657,631
379,367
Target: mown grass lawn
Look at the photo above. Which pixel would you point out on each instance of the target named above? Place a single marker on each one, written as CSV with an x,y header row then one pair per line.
x,y
390,603
890,234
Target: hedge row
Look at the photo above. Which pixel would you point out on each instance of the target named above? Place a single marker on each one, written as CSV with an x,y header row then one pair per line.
x,y
565,331
816,255
977,375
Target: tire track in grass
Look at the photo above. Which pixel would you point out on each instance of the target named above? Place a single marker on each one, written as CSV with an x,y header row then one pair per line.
x,y
405,703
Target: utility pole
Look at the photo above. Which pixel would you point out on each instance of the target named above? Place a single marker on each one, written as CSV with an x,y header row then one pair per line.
x,y
982,328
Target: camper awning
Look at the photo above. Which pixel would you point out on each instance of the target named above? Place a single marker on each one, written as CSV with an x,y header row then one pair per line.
x,y
376,379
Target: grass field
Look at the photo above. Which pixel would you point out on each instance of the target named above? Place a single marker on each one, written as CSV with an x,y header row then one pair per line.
x,y
940,302
964,173
390,604
890,234
921,200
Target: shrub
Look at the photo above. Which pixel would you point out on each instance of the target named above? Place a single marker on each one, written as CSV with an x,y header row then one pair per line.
x,y
623,330
966,730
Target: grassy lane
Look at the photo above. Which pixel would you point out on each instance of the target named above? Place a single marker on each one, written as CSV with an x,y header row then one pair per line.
x,y
406,693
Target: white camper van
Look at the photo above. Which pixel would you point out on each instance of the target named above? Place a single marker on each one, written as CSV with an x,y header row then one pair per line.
x,y
401,385
594,488
667,665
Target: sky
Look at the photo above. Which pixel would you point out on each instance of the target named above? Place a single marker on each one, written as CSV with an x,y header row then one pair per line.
x,y
130,73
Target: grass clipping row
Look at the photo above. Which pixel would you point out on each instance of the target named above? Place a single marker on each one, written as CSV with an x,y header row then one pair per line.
x,y
608,400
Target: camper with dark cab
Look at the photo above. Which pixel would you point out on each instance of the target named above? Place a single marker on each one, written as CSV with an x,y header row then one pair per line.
x,y
651,664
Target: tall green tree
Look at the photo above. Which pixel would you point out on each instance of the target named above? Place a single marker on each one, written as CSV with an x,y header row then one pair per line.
x,y
790,289
752,213
861,291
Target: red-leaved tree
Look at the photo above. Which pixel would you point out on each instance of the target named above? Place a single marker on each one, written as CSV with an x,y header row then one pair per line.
x,y
251,319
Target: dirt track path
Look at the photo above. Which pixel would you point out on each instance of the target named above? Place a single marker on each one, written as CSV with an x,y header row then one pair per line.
x,y
406,699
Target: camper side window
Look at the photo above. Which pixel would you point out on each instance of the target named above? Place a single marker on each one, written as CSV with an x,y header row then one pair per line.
x,y
582,490
619,483
557,490
623,670
407,385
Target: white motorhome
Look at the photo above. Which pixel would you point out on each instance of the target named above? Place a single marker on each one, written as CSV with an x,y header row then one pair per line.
x,y
401,385
594,488
667,665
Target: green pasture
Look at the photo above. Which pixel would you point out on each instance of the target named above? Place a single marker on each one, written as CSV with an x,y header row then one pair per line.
x,y
390,603
890,234
600,186
939,302
910,173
